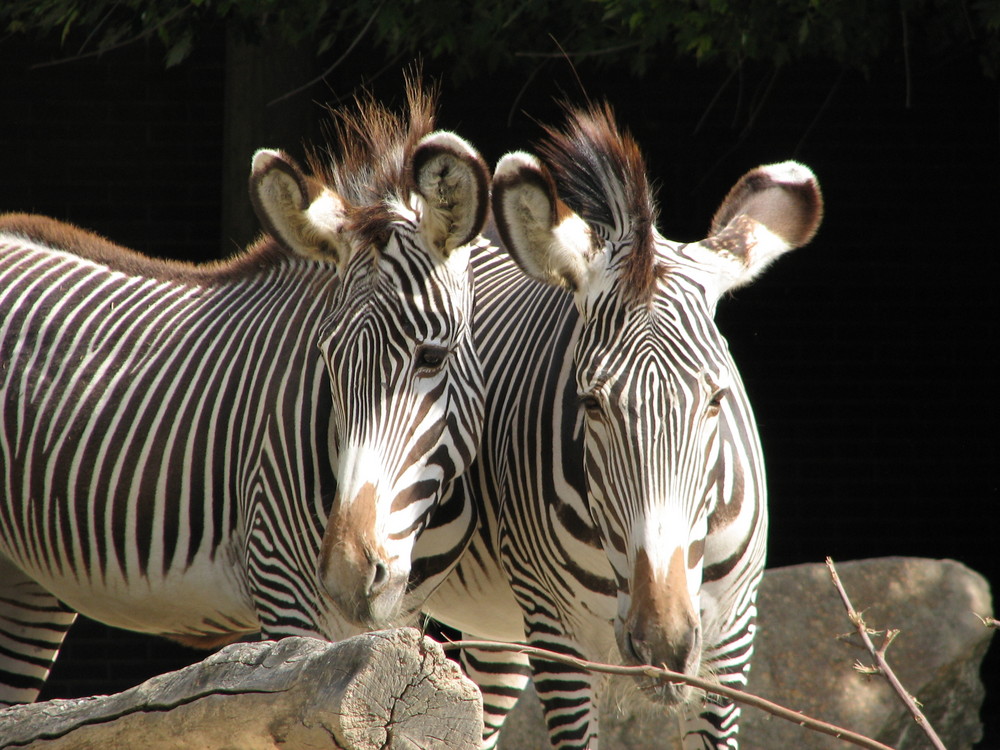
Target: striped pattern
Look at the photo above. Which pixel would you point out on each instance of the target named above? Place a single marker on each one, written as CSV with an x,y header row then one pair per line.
x,y
139,429
620,475
180,443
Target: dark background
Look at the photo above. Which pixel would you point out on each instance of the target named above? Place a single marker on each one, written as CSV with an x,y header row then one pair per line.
x,y
871,355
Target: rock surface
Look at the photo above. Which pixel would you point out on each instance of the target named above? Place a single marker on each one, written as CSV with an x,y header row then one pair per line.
x,y
390,689
801,663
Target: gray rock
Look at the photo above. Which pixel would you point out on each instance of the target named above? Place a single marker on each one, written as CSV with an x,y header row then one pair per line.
x,y
390,689
802,663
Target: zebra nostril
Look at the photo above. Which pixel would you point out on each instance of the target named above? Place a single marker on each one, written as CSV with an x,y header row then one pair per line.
x,y
633,649
379,577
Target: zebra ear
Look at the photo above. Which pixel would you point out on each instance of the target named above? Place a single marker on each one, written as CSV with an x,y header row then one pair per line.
x,y
303,215
546,239
771,210
453,184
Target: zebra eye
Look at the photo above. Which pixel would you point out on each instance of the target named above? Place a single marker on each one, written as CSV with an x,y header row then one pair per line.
x,y
429,358
591,403
715,400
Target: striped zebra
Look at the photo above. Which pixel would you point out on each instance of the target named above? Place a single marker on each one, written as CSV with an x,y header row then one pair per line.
x,y
205,451
620,477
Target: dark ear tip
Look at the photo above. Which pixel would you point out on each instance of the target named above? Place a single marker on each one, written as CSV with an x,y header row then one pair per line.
x,y
445,142
519,168
266,161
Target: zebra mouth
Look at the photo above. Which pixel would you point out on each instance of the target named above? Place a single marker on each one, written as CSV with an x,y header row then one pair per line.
x,y
367,589
372,610
664,692
659,690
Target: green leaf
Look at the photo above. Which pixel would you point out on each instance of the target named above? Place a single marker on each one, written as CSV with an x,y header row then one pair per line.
x,y
68,24
180,50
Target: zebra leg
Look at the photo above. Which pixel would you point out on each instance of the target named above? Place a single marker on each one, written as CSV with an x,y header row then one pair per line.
x,y
569,698
569,695
33,624
715,726
501,676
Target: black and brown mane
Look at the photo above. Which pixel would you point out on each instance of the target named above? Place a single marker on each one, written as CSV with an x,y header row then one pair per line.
x,y
61,235
371,165
594,162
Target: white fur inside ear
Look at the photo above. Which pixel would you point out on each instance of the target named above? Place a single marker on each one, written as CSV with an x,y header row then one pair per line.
x,y
326,214
453,186
763,248
280,194
548,240
570,251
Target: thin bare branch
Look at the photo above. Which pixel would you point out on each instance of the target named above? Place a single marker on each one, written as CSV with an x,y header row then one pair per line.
x,y
881,665
336,63
738,696
520,94
906,57
124,43
97,27
715,99
989,622
820,112
585,53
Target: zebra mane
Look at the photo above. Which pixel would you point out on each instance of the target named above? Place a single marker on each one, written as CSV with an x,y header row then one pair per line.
x,y
371,167
88,245
600,173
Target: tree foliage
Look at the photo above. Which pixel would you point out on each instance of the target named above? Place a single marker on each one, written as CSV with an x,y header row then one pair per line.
x,y
482,37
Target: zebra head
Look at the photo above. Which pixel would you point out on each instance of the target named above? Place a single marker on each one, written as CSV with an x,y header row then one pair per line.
x,y
669,438
395,214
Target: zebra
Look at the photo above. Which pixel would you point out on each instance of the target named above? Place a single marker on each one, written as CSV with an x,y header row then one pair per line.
x,y
255,444
620,481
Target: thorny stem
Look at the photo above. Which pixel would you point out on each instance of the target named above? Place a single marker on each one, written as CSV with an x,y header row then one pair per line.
x,y
715,688
881,665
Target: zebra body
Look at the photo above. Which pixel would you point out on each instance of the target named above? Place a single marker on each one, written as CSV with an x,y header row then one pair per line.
x,y
257,444
92,518
620,476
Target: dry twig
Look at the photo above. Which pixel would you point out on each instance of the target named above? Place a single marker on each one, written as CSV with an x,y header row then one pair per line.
x,y
715,688
988,622
881,665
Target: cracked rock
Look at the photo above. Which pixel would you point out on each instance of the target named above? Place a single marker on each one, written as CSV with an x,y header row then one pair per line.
x,y
386,690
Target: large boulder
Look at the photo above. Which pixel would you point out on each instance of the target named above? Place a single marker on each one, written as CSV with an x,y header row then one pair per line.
x,y
390,689
805,660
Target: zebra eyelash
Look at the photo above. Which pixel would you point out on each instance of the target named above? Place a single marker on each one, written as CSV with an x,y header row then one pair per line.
x,y
590,403
429,359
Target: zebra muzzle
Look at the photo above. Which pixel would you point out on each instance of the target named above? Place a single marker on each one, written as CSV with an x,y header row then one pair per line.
x,y
365,582
364,586
661,627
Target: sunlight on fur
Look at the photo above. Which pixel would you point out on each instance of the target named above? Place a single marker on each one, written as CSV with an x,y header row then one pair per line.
x,y
627,697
